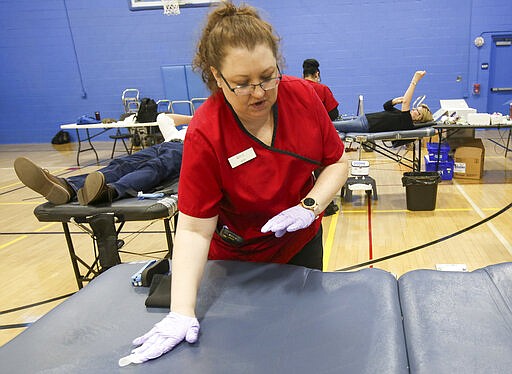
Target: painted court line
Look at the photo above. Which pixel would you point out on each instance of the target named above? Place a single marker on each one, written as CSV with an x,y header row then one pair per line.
x,y
330,240
491,226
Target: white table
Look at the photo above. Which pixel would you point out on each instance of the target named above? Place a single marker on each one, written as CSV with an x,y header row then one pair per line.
x,y
457,126
102,127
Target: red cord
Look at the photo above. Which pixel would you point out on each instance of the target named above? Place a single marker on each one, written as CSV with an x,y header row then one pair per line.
x,y
370,246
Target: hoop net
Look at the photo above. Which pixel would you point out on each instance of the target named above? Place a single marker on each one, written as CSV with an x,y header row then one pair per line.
x,y
171,7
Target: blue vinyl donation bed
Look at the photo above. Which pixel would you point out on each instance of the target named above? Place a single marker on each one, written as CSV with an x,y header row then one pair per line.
x,y
120,212
368,140
270,318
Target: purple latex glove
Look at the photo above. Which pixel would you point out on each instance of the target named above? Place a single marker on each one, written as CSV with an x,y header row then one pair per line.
x,y
291,219
166,334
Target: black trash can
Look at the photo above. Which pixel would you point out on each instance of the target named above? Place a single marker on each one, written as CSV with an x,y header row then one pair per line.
x,y
421,189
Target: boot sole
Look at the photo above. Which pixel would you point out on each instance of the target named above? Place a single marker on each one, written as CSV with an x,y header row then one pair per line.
x,y
36,179
91,189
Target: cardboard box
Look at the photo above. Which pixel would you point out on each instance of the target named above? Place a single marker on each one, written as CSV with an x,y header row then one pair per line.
x,y
458,137
469,160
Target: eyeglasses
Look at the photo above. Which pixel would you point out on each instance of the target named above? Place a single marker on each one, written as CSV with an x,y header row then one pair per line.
x,y
248,89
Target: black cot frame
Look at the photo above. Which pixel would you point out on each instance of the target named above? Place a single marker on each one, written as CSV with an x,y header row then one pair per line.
x,y
123,210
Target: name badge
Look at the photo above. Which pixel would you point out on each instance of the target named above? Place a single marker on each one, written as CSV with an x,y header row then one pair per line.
x,y
242,157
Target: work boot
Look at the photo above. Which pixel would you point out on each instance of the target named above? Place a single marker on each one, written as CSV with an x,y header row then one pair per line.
x,y
105,233
95,190
56,190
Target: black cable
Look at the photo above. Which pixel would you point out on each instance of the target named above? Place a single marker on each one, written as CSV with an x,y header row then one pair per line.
x,y
427,244
145,254
12,190
15,326
35,304
75,232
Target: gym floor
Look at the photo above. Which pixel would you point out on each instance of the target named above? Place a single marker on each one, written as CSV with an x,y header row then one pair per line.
x,y
36,267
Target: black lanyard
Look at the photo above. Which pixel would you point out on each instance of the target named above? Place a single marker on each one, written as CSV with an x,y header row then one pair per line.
x,y
271,147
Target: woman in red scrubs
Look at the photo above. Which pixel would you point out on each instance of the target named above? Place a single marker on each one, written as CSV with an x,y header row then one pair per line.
x,y
246,188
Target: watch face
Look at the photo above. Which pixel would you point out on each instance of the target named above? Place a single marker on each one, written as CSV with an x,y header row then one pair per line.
x,y
309,202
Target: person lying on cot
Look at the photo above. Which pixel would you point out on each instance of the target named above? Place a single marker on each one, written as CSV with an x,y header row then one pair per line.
x,y
122,177
391,119
311,73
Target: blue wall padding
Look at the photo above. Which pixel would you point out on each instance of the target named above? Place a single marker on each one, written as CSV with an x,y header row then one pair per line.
x,y
61,59
195,85
175,82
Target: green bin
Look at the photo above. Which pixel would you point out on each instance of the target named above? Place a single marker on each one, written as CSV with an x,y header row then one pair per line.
x,y
421,189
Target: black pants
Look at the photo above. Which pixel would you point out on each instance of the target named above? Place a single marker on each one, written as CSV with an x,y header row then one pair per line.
x,y
311,256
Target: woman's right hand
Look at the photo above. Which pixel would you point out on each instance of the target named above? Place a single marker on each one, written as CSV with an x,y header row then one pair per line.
x,y
166,334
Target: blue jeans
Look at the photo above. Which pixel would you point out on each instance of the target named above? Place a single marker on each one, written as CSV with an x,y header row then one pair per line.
x,y
353,124
140,171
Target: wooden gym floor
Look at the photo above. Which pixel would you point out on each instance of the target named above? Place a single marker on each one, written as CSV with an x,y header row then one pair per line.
x,y
37,273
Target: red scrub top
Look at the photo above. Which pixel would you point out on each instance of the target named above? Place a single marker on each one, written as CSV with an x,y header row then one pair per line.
x,y
247,194
325,95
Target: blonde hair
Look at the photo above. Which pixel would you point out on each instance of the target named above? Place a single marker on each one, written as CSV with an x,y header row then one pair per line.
x,y
425,115
230,26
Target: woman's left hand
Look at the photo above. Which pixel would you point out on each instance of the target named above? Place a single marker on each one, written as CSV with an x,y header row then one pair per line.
x,y
397,100
291,219
418,75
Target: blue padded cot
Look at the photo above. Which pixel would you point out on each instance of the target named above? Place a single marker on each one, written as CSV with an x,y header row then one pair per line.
x,y
368,140
271,318
255,318
458,322
123,210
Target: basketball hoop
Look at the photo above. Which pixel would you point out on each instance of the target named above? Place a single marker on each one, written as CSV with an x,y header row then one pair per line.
x,y
171,7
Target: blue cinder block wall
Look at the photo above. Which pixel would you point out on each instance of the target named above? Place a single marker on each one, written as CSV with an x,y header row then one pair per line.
x,y
61,59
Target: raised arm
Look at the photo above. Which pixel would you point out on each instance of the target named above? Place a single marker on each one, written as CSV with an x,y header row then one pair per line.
x,y
407,98
180,119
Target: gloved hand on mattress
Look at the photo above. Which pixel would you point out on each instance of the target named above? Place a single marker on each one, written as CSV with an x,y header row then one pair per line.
x,y
166,334
291,219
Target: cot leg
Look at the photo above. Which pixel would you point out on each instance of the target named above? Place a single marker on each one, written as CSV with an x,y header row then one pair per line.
x,y
72,253
348,193
374,189
105,233
168,235
508,142
418,164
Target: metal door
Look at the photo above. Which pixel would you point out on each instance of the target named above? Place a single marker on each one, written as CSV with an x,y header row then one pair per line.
x,y
500,75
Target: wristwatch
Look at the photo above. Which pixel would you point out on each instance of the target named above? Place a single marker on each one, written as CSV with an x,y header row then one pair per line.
x,y
309,203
